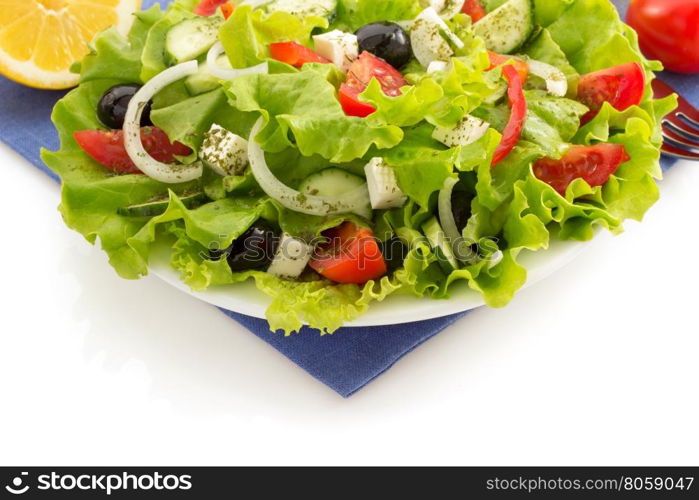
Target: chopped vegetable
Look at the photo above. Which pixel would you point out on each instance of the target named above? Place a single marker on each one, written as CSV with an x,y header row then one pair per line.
x,y
593,164
621,86
351,256
474,9
295,54
361,72
107,148
518,114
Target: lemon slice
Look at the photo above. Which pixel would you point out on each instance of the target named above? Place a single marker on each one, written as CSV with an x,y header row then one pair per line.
x,y
41,39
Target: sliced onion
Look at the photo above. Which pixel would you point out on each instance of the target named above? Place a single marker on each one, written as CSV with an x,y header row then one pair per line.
x,y
446,212
556,81
350,202
496,259
163,172
451,8
430,15
216,70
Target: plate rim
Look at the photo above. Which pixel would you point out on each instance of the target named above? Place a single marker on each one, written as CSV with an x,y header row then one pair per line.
x,y
396,309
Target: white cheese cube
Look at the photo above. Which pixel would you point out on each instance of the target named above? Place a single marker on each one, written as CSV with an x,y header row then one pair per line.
x,y
224,152
437,67
468,131
383,186
291,258
339,47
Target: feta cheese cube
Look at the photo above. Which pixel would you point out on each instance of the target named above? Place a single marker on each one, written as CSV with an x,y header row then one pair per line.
x,y
291,258
339,47
224,152
468,131
383,185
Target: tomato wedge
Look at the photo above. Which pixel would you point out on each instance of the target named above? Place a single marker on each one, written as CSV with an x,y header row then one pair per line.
x,y
498,60
208,7
359,75
594,164
349,100
518,114
295,54
107,148
621,86
227,10
352,256
474,9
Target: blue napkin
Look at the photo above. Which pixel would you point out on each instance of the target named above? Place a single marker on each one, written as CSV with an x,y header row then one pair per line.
x,y
345,361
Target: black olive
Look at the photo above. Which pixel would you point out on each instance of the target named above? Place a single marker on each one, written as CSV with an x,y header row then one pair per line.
x,y
386,40
461,207
253,250
111,109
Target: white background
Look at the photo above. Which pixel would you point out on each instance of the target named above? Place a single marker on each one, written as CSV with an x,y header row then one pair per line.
x,y
597,365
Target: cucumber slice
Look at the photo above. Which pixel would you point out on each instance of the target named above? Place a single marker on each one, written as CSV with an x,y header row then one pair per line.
x,y
158,206
507,27
192,38
201,82
441,245
333,182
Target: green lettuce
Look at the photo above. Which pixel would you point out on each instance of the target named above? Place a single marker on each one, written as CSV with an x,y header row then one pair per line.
x,y
441,99
304,104
353,14
247,34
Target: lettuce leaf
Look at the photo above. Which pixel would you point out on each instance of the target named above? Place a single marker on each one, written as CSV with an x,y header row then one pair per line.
x,y
247,34
154,58
91,195
353,14
421,164
305,105
117,57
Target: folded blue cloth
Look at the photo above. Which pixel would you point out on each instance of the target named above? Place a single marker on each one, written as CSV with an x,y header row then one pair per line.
x,y
345,361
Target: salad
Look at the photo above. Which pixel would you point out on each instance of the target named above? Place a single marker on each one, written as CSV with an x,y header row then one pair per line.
x,y
338,152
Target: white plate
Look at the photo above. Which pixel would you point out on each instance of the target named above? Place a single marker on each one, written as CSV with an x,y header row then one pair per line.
x,y
244,298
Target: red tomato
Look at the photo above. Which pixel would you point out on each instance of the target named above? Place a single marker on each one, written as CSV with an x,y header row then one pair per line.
x,y
668,30
474,9
349,99
352,256
594,164
498,60
366,67
227,10
621,86
208,7
295,54
518,114
107,148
